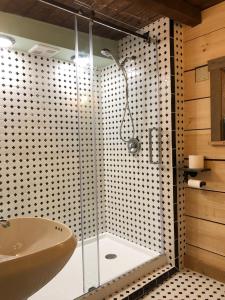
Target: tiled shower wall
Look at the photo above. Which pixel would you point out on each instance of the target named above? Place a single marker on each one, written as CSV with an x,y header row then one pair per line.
x,y
40,162
39,157
39,146
132,183
135,207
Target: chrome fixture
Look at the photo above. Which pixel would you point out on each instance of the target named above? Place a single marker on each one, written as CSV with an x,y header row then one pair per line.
x,y
150,140
107,53
133,143
4,223
79,13
6,41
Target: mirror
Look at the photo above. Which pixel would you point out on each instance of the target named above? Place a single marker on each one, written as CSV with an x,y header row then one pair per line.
x,y
217,86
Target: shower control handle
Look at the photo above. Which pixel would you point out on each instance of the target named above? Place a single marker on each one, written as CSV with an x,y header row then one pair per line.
x,y
150,135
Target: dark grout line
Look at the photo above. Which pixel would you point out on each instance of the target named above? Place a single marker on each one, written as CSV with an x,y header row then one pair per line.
x,y
204,220
201,66
201,35
211,159
197,129
206,190
205,250
195,99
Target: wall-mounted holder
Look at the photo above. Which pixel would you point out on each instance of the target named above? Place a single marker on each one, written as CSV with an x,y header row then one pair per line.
x,y
192,172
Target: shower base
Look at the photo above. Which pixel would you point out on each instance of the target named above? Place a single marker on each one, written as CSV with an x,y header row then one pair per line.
x,y
68,284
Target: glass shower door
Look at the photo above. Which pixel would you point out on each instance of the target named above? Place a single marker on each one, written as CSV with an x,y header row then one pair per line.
x,y
87,155
118,102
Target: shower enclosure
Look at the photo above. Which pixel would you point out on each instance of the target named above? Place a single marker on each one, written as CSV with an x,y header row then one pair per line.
x,y
119,157
91,124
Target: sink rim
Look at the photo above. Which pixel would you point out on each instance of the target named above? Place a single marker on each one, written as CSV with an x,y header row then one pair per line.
x,y
69,235
25,274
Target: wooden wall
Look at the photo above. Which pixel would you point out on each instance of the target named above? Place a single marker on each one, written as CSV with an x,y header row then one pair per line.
x,y
204,209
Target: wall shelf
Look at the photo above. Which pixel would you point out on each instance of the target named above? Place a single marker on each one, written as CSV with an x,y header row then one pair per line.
x,y
193,172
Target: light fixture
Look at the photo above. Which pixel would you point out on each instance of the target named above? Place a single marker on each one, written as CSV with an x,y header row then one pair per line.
x,y
83,59
6,41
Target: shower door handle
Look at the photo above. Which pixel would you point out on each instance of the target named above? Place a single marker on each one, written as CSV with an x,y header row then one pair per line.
x,y
151,145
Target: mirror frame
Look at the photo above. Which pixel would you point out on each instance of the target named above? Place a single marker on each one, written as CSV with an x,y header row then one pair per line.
x,y
217,86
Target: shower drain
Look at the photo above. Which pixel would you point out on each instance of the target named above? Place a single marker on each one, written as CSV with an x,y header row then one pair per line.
x,y
111,256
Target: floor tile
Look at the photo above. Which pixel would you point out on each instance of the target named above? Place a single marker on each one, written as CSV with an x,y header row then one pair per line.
x,y
188,285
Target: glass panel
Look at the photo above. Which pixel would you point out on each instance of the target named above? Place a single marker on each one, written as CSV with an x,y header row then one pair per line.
x,y
87,155
128,160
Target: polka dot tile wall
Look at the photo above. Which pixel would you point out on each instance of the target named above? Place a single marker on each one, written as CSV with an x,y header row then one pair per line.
x,y
189,285
136,209
179,85
39,156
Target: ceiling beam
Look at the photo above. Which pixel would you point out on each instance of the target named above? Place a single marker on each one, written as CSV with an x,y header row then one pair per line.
x,y
179,10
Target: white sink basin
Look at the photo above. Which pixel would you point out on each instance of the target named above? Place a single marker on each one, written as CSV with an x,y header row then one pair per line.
x,y
32,252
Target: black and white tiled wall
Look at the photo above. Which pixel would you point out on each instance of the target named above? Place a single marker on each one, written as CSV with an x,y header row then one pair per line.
x,y
39,158
138,193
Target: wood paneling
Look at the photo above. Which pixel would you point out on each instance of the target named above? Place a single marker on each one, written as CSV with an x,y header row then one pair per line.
x,y
197,114
199,51
205,262
199,142
193,89
212,20
204,208
206,235
215,178
205,205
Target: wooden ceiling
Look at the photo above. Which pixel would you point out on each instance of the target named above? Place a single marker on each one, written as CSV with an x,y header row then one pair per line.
x,y
131,14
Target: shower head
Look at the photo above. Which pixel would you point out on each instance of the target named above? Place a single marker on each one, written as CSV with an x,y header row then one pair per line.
x,y
134,145
107,53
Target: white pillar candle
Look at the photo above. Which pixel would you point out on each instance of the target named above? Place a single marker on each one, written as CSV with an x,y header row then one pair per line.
x,y
196,161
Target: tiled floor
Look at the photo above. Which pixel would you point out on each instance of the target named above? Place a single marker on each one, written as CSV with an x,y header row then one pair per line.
x,y
189,285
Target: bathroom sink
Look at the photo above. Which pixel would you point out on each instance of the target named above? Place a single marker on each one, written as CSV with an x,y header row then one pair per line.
x,y
32,252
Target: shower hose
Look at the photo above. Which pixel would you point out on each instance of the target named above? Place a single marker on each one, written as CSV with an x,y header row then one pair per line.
x,y
126,109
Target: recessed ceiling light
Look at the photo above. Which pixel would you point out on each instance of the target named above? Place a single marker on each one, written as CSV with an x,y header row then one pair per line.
x,y
6,41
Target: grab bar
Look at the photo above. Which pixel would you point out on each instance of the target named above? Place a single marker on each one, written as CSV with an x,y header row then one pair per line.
x,y
151,145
